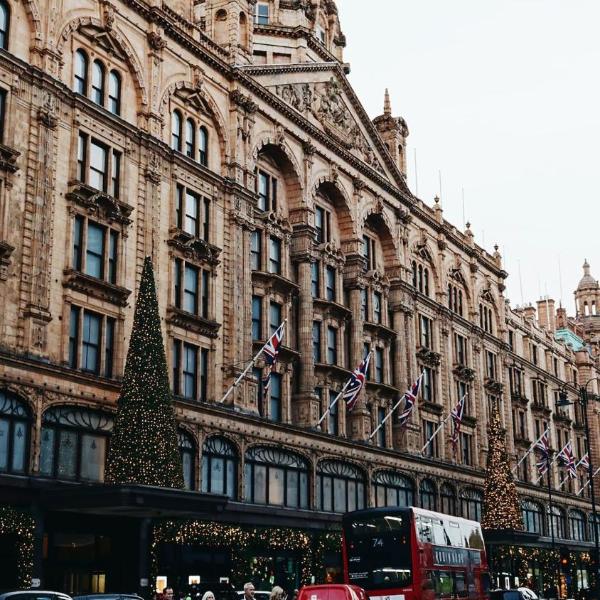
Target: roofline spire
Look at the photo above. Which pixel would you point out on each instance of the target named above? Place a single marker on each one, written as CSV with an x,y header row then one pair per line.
x,y
387,105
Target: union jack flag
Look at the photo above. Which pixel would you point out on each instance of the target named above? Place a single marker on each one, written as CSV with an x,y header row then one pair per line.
x,y
457,416
270,351
584,462
356,383
543,447
565,456
410,397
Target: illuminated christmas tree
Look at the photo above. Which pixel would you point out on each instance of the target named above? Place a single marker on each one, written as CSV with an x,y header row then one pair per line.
x,y
144,447
501,506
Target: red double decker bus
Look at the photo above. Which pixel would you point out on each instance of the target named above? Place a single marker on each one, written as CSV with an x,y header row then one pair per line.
x,y
414,554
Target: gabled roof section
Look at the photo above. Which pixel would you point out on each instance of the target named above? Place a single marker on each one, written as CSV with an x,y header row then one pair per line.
x,y
570,339
321,94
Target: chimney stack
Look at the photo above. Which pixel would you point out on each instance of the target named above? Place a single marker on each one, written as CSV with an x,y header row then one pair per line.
x,y
546,314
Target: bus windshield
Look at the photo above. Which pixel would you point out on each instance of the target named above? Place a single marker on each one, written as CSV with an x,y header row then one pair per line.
x,y
378,551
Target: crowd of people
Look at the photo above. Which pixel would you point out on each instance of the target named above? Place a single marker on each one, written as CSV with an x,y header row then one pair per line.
x,y
277,593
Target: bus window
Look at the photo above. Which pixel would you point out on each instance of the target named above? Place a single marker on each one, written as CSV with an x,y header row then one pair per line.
x,y
475,539
439,534
460,589
443,582
425,530
454,534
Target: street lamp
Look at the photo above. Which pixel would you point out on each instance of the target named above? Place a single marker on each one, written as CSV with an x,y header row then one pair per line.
x,y
583,401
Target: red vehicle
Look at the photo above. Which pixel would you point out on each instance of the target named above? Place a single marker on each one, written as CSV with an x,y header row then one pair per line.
x,y
414,554
332,591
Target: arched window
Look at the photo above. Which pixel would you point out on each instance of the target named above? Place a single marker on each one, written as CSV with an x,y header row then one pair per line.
x,y
4,24
74,443
190,138
14,434
219,467
176,130
114,93
98,82
455,299
533,517
340,487
427,495
577,526
420,277
591,522
274,476
448,499
471,504
188,459
558,522
393,489
80,72
203,146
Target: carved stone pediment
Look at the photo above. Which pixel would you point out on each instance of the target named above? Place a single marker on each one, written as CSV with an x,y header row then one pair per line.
x,y
324,103
8,159
277,220
377,280
271,282
429,357
96,288
100,204
464,373
5,252
493,387
331,253
194,248
191,322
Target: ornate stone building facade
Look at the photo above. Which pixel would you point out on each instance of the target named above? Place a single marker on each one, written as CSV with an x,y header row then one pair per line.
x,y
222,138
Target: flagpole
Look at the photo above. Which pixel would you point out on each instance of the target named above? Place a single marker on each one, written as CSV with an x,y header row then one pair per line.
x,y
435,433
556,456
568,476
530,449
334,402
243,373
588,481
551,516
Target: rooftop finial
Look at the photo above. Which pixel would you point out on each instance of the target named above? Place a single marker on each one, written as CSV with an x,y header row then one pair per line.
x,y
387,105
586,267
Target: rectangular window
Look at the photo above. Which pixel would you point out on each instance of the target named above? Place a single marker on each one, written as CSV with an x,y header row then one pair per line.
x,y
534,354
255,250
109,347
460,349
274,255
113,250
267,191
94,255
192,214
190,371
258,374
275,413
330,287
205,219
333,423
490,364
204,298
261,16
379,365
98,169
377,307
466,443
381,441
179,204
203,374
2,111
176,367
256,318
316,339
82,143
462,391
432,449
274,317
369,253
90,342
364,304
511,340
115,174
428,384
190,289
425,332
74,337
78,225
331,345
315,279
319,225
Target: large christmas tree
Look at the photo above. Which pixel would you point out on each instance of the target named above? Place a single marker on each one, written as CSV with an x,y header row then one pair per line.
x,y
501,507
143,446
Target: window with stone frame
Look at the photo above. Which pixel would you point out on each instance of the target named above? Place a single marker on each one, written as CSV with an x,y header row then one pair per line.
x,y
317,341
92,341
74,443
515,379
276,477
427,495
378,365
486,312
261,13
491,370
333,417
460,350
256,254
4,24
322,224
332,345
99,164
466,449
191,288
393,489
471,501
370,253
463,390
189,370
533,517
192,212
219,467
428,428
340,487
558,522
577,526
190,127
448,499
15,434
96,76
429,384
187,451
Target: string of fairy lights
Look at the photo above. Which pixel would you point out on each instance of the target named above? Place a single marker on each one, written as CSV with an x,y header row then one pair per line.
x,y
143,447
248,547
21,525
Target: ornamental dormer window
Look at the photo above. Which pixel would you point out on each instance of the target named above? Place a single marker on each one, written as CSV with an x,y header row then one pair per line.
x,y
192,213
98,81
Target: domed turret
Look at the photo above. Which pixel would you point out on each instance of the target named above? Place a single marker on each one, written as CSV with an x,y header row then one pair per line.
x,y
587,295
393,131
587,281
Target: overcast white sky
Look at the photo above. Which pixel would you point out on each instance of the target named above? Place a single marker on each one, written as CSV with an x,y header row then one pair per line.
x,y
502,97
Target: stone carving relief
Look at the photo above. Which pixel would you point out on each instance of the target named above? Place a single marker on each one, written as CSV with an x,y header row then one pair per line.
x,y
324,102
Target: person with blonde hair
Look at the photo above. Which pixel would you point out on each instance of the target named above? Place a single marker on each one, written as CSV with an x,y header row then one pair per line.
x,y
277,593
208,596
